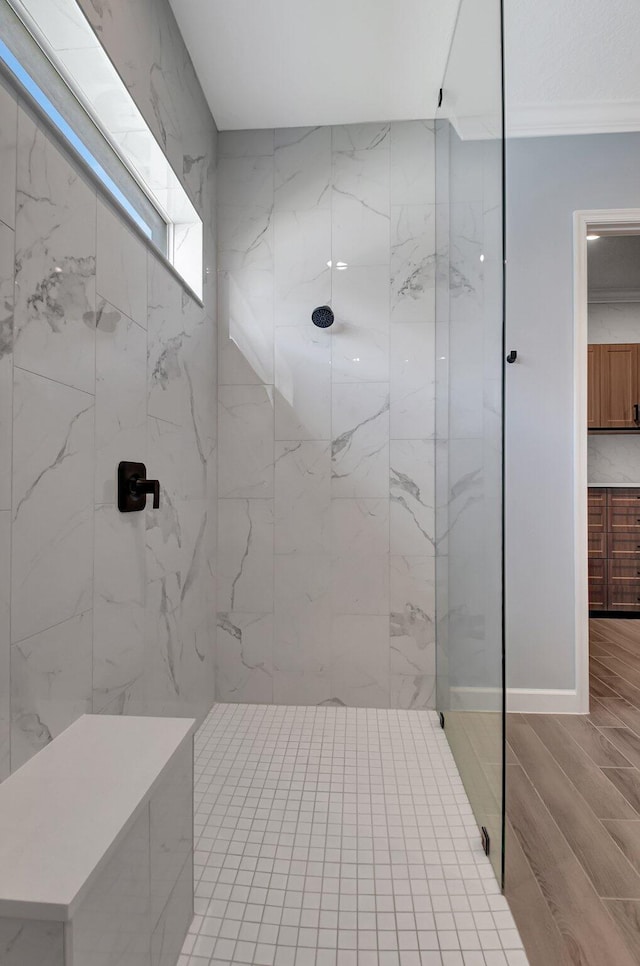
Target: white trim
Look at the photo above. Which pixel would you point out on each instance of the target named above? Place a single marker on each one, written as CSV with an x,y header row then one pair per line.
x,y
475,699
583,221
540,701
571,117
614,295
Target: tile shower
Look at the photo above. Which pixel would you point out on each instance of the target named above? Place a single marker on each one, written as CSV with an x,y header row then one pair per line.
x,y
326,437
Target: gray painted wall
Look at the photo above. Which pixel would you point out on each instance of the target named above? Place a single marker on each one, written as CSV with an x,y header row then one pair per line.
x,y
547,180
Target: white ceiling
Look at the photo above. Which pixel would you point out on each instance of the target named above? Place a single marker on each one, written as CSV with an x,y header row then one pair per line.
x,y
572,66
289,63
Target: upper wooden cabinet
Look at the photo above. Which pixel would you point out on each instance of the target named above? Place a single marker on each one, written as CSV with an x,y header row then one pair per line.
x,y
614,386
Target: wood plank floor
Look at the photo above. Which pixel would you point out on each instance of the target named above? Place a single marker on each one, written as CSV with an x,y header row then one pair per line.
x,y
573,816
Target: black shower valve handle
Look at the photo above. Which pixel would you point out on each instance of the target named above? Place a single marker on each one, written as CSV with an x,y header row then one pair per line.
x,y
133,487
140,485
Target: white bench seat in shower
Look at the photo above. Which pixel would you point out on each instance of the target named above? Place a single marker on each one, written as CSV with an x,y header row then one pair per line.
x,y
96,845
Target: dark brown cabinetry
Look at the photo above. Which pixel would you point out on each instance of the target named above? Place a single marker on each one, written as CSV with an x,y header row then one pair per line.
x,y
614,549
614,386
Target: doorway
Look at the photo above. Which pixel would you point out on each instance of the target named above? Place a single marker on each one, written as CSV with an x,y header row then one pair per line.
x,y
607,426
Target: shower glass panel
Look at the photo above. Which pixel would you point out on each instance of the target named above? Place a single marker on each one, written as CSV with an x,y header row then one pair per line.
x,y
469,417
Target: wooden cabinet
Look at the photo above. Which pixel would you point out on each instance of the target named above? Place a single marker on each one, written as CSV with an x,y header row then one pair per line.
x,y
614,549
613,380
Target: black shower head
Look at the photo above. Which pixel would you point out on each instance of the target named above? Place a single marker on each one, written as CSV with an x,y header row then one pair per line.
x,y
323,317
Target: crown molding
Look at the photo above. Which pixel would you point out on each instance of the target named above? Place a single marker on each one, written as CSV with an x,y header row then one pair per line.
x,y
555,120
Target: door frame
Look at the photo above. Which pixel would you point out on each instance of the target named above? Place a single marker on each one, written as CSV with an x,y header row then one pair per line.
x,y
605,221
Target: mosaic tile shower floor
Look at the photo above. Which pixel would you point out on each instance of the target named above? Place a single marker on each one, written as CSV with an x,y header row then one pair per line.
x,y
338,837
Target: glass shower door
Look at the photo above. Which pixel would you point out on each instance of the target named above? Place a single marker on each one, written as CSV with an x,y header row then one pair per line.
x,y
469,412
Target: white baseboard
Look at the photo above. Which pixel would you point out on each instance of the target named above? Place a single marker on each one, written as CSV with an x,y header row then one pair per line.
x,y
475,699
519,700
543,701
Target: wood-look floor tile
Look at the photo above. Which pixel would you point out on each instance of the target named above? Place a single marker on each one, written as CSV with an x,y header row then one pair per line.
x,y
623,689
625,712
592,741
609,872
627,781
590,934
539,933
621,668
626,915
626,835
598,688
580,769
603,716
628,742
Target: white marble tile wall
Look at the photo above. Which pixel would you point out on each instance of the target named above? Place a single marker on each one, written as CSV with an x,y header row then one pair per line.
x,y
103,357
326,438
614,460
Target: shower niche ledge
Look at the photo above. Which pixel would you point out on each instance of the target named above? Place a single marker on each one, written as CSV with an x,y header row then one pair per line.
x,y
96,846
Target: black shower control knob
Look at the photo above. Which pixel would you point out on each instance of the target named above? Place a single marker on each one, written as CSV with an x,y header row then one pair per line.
x,y
323,317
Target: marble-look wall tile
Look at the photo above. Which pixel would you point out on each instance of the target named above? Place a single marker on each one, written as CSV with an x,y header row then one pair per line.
x,y
165,342
6,361
50,685
246,181
302,168
413,263
82,281
412,497
360,444
168,935
301,687
339,397
360,672
466,380
360,198
244,658
360,563
302,497
52,549
177,676
360,337
55,263
121,397
412,692
5,638
245,548
25,942
118,608
245,434
413,163
121,265
465,267
245,243
243,144
412,625
303,383
170,829
8,143
199,402
361,137
245,328
412,400
302,613
115,914
302,253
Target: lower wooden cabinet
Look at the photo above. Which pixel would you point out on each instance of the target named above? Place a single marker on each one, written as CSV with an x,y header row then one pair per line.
x,y
614,549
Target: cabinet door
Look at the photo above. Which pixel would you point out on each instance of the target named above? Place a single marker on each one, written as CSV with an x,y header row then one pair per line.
x,y
618,386
594,354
